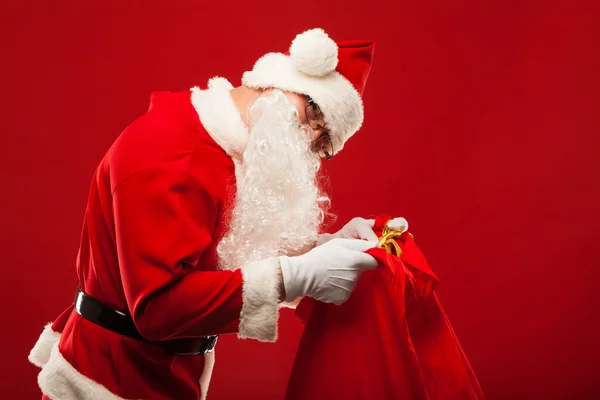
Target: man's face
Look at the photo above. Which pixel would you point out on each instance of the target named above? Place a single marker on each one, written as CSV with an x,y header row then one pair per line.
x,y
312,120
301,104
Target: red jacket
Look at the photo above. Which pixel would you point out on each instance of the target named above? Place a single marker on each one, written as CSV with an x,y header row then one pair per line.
x,y
155,213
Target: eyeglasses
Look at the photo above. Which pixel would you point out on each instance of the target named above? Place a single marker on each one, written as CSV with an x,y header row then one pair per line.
x,y
314,115
323,146
316,120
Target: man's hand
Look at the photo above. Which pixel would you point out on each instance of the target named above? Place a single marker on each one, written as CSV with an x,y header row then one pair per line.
x,y
360,228
327,273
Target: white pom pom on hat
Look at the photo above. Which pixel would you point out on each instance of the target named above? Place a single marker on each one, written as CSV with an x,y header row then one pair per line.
x,y
314,53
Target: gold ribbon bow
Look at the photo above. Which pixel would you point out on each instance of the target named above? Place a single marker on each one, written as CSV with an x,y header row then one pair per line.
x,y
388,242
388,238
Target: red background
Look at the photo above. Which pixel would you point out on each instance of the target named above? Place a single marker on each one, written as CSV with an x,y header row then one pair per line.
x,y
482,129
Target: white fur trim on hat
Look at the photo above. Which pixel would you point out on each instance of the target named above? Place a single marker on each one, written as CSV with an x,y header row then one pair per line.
x,y
314,53
340,102
260,294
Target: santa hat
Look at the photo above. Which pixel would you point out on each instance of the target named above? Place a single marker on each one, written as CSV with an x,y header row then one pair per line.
x,y
334,75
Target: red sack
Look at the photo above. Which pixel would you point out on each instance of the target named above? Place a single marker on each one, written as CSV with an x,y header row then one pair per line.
x,y
390,340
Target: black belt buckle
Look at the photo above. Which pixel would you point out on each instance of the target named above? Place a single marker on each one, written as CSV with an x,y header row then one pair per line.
x,y
212,343
197,347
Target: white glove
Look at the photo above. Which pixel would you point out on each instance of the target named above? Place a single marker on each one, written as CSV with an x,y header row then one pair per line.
x,y
327,273
398,224
360,228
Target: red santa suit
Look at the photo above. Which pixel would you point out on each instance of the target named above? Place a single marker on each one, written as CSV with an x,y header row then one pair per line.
x,y
157,209
155,213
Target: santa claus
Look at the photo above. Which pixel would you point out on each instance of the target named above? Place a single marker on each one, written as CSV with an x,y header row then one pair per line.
x,y
202,218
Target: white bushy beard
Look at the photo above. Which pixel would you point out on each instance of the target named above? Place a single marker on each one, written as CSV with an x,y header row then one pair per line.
x,y
279,206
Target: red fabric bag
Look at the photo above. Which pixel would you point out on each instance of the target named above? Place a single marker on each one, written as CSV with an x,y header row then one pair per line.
x,y
390,340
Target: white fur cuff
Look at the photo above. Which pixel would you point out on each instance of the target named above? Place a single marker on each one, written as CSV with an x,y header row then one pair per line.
x,y
260,310
40,353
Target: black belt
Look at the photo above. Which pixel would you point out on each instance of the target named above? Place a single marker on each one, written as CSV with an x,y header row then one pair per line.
x,y
121,323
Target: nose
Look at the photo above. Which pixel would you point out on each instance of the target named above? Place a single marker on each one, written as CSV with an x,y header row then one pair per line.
x,y
317,133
